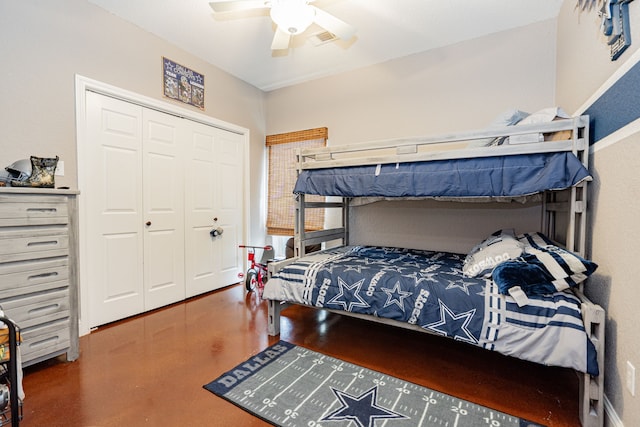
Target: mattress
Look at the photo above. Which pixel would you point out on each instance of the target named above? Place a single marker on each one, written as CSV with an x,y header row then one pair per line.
x,y
428,289
483,177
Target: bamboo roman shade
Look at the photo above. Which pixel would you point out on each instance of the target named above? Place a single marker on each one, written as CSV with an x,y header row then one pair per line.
x,y
282,178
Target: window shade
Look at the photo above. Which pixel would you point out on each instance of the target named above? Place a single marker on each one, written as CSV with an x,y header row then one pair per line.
x,y
282,178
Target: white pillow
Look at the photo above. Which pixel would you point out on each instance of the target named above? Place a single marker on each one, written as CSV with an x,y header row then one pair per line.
x,y
506,118
546,115
501,246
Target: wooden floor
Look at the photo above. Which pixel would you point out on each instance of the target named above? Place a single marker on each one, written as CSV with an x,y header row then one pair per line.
x,y
150,369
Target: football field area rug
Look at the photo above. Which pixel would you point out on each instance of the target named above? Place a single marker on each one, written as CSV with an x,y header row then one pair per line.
x,y
288,385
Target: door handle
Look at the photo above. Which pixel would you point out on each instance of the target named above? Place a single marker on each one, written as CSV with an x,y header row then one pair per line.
x,y
148,223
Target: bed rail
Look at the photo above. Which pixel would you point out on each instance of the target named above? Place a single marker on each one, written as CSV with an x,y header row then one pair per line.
x,y
448,147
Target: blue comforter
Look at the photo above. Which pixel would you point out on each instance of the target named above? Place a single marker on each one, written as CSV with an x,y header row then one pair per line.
x,y
428,289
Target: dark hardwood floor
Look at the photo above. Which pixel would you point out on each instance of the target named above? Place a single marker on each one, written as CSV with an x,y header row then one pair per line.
x,y
150,369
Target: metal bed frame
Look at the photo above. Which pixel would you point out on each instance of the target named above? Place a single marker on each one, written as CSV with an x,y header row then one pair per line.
x,y
563,215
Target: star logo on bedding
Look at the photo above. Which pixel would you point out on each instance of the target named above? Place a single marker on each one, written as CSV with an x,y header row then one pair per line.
x,y
456,325
328,268
400,258
363,410
482,292
435,257
349,297
371,261
393,268
413,264
420,277
356,268
460,284
420,255
395,296
387,251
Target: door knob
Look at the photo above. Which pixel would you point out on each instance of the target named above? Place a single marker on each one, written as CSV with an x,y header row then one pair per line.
x,y
148,223
215,219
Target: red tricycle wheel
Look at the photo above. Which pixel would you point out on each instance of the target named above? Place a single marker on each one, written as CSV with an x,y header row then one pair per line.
x,y
251,280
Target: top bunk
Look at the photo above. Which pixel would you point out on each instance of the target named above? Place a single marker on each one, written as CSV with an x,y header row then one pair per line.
x,y
499,163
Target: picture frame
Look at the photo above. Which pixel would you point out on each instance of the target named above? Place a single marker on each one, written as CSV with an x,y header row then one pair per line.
x,y
182,84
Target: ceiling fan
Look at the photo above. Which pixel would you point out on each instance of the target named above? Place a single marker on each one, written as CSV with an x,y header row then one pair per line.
x,y
291,17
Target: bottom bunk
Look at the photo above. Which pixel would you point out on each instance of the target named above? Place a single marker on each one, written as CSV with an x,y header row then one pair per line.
x,y
427,291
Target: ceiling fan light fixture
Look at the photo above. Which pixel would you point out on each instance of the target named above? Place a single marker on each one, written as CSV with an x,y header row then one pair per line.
x,y
292,16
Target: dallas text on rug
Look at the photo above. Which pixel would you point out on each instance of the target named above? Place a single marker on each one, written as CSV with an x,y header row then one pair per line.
x,y
288,385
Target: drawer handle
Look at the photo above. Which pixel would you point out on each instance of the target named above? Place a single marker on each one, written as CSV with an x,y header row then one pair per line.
x,y
48,242
42,210
47,308
42,275
44,342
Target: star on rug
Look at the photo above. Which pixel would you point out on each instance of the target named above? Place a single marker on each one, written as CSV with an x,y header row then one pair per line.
x,y
363,409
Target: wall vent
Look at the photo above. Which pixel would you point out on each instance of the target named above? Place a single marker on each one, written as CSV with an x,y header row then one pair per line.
x,y
322,37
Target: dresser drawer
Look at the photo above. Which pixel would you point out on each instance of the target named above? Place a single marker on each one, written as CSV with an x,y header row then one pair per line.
x,y
34,309
20,210
44,339
20,244
33,276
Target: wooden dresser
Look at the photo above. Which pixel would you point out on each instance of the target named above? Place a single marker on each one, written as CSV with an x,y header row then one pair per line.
x,y
38,270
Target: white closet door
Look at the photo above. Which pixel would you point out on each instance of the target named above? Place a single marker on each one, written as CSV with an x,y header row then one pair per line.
x,y
113,197
163,193
229,199
212,261
156,186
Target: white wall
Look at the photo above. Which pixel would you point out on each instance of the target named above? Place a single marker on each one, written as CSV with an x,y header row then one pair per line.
x,y
455,88
460,87
430,224
584,72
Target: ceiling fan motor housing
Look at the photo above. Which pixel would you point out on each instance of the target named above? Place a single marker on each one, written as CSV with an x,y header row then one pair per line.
x,y
292,16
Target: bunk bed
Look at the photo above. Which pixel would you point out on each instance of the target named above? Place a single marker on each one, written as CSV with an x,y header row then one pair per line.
x,y
518,294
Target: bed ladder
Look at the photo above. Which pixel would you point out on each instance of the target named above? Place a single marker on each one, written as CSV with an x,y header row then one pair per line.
x,y
303,238
591,405
572,203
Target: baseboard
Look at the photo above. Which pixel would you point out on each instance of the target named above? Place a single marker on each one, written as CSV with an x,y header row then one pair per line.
x,y
612,418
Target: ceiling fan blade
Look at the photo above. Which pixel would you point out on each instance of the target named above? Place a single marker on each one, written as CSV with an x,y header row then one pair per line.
x,y
280,40
235,5
334,25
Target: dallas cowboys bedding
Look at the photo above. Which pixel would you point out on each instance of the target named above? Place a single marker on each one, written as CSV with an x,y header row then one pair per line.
x,y
430,290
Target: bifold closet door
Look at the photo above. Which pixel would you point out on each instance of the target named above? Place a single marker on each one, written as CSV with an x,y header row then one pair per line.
x,y
163,140
135,209
213,199
229,198
114,220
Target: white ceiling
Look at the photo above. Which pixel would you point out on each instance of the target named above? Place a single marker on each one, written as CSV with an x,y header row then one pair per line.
x,y
386,29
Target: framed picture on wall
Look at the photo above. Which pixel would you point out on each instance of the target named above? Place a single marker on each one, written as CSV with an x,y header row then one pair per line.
x,y
182,84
